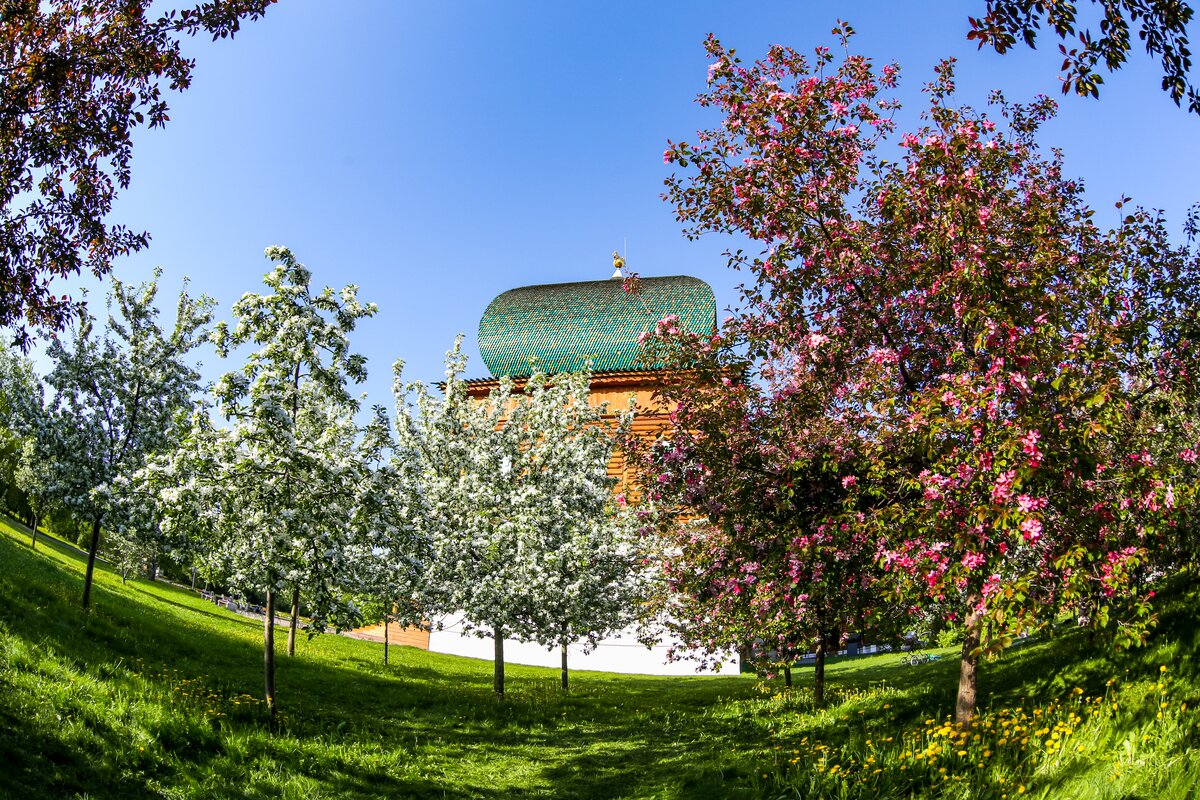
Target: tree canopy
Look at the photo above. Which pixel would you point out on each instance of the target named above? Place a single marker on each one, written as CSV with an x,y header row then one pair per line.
x,y
985,356
77,77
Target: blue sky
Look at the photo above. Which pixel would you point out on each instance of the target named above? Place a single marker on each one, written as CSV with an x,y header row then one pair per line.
x,y
438,154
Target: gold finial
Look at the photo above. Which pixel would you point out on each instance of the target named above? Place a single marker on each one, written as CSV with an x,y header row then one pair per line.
x,y
618,265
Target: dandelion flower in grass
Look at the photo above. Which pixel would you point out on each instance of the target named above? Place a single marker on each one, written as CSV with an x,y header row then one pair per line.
x,y
1163,668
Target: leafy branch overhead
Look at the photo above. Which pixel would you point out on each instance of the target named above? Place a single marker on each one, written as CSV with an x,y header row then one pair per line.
x,y
76,79
1161,26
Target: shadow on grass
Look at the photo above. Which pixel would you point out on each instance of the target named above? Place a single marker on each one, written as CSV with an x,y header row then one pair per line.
x,y
603,740
428,725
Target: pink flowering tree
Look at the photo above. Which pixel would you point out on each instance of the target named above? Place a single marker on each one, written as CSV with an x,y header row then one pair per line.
x,y
762,542
949,328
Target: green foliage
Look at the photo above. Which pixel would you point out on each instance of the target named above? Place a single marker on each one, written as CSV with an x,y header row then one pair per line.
x,y
152,695
950,637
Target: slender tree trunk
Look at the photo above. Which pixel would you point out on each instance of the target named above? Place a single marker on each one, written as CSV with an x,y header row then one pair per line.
x,y
385,641
33,538
787,676
964,709
91,565
498,667
152,568
819,675
566,687
269,653
193,578
291,650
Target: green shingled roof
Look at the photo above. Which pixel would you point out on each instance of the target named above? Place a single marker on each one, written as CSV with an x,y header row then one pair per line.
x,y
559,327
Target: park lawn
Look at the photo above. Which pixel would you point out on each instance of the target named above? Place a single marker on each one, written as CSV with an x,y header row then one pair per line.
x,y
156,693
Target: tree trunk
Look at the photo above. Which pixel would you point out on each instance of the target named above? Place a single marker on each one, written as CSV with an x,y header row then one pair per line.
x,y
565,685
964,709
819,675
91,565
152,568
385,641
498,667
787,677
193,578
269,653
291,649
33,538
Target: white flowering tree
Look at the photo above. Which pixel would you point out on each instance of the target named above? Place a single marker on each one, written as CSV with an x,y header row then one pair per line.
x,y
584,577
117,396
390,551
272,490
24,434
34,476
518,513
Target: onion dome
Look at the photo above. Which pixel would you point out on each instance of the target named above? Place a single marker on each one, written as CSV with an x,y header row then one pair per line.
x,y
560,327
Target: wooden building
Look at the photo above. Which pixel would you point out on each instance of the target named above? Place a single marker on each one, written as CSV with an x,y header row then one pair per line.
x,y
567,327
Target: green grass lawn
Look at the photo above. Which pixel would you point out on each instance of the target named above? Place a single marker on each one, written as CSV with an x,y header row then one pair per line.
x,y
156,693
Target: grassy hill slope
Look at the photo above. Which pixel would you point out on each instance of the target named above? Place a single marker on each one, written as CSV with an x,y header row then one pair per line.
x,y
155,693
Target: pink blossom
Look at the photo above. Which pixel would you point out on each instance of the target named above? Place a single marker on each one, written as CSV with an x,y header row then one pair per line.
x,y
1031,529
849,481
1028,504
1002,491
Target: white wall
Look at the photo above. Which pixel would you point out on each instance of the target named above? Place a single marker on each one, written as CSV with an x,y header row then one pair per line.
x,y
620,653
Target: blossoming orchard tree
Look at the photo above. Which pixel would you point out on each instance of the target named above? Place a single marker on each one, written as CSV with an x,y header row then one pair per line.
x,y
276,485
763,536
584,573
22,418
518,516
956,305
389,551
116,400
